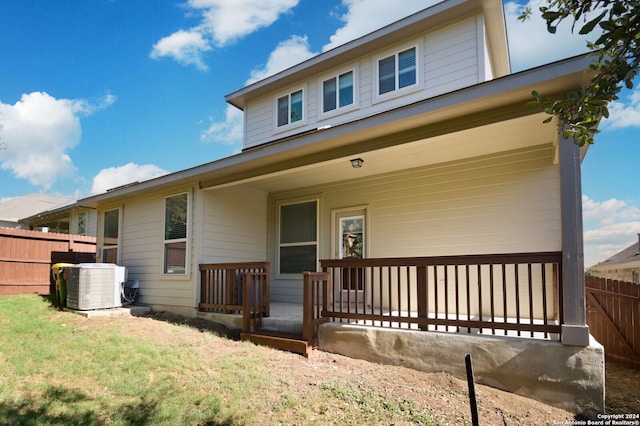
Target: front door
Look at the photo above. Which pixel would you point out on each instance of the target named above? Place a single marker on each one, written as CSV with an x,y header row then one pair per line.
x,y
350,243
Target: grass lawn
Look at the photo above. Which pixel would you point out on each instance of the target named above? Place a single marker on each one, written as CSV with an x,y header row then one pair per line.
x,y
60,368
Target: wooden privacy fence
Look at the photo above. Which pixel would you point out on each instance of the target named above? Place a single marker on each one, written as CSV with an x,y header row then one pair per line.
x,y
506,294
26,258
613,316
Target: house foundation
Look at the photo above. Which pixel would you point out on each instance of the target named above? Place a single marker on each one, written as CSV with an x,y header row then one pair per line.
x,y
564,376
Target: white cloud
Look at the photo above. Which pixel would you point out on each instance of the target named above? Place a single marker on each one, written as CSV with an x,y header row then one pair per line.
x,y
186,47
37,132
287,54
365,16
624,114
113,177
531,45
221,23
609,227
227,132
228,20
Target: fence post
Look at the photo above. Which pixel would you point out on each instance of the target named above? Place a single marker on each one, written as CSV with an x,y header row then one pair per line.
x,y
246,296
307,307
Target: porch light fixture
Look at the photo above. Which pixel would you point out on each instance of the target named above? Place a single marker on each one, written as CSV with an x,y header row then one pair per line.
x,y
356,163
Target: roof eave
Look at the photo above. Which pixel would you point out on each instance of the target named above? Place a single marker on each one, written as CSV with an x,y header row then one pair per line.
x,y
550,79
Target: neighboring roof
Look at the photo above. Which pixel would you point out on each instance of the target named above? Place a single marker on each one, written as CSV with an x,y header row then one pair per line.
x,y
52,214
17,208
439,15
482,103
627,256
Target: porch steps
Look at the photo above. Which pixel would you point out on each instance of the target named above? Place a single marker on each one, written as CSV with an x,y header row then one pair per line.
x,y
279,340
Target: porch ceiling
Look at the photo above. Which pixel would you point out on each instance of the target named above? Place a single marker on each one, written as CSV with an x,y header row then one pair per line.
x,y
492,138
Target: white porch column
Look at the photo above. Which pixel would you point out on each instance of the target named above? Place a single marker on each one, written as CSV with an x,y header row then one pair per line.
x,y
574,328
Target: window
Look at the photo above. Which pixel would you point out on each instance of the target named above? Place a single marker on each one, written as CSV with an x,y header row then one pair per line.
x,y
298,237
289,108
110,236
337,92
636,277
176,213
397,71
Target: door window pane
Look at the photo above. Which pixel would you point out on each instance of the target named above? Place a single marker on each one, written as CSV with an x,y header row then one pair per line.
x,y
352,236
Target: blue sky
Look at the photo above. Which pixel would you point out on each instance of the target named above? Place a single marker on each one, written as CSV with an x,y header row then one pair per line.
x,y
98,93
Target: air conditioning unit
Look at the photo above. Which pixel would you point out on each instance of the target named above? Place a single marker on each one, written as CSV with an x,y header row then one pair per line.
x,y
94,286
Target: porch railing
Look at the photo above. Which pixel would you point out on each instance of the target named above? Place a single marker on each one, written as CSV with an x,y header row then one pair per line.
x,y
236,288
505,294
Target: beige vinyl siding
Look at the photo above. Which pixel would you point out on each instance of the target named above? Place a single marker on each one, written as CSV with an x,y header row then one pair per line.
x,y
451,58
259,121
234,227
141,251
504,203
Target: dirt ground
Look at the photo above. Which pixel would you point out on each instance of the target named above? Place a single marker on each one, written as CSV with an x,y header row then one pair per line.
x,y
445,396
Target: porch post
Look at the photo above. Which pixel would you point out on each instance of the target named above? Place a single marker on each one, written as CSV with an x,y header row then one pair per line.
x,y
574,328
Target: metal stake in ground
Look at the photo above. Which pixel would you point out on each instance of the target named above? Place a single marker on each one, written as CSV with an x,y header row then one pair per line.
x,y
472,392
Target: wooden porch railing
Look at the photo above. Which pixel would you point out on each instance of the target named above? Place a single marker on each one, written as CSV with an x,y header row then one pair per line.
x,y
508,294
234,288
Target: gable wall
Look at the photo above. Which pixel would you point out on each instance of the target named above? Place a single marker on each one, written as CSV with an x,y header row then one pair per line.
x,y
505,203
452,57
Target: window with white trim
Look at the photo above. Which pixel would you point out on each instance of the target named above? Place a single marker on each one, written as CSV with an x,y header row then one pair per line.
x,y
397,71
337,92
176,225
110,236
298,237
289,108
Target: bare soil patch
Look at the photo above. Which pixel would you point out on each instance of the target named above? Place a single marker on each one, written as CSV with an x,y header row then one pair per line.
x,y
297,383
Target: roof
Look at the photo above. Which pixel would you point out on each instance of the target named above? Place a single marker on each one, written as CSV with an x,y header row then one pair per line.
x,y
20,207
630,254
439,15
490,101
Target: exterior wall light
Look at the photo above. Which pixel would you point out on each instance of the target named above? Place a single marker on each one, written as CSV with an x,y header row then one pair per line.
x,y
356,163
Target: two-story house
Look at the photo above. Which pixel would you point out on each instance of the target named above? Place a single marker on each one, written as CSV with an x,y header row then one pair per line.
x,y
407,166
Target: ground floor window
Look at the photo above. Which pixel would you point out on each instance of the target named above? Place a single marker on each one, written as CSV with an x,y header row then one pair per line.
x,y
176,213
298,237
110,236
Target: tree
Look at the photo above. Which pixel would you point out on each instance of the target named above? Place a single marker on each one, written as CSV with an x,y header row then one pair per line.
x,y
617,61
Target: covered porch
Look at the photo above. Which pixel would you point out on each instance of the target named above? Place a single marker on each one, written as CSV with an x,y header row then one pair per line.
x,y
503,294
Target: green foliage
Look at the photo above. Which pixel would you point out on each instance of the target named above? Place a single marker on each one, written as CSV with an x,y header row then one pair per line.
x,y
617,52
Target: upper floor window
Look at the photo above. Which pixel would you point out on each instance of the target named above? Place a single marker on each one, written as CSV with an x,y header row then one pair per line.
x,y
397,71
290,108
176,214
337,92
